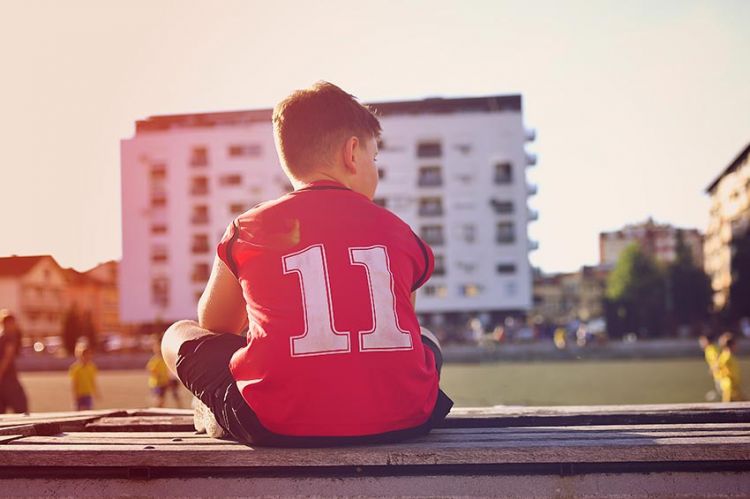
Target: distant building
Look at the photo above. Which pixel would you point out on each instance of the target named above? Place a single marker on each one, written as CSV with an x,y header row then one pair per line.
x,y
729,215
657,240
39,293
453,169
33,288
565,297
95,293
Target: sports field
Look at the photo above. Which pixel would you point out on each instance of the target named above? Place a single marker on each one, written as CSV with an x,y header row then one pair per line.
x,y
509,383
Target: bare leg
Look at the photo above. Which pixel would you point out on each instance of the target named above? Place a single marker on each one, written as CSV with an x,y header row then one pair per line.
x,y
177,334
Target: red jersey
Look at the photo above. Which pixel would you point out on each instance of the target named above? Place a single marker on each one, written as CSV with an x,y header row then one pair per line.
x,y
334,344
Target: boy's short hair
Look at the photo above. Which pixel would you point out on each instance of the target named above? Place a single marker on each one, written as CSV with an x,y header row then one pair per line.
x,y
309,124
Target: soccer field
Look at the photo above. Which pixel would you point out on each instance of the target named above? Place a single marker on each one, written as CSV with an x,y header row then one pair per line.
x,y
509,383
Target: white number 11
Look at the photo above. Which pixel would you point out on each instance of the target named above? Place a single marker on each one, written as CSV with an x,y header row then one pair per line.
x,y
320,336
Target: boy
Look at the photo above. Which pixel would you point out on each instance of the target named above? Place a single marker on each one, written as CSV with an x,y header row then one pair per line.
x,y
158,375
83,378
729,371
711,354
323,279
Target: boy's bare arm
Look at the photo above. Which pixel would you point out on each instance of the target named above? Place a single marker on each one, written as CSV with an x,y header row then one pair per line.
x,y
221,308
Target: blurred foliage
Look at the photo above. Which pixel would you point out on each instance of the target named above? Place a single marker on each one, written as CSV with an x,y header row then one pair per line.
x,y
636,295
651,299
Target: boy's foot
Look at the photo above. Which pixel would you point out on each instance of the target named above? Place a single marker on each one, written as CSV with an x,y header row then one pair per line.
x,y
204,420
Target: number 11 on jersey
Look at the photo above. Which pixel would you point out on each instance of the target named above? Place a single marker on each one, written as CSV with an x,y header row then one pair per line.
x,y
320,336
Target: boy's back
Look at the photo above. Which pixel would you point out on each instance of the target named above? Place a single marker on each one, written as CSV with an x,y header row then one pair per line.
x,y
335,344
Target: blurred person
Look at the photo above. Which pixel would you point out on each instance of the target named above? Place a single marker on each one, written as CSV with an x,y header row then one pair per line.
x,y
12,394
83,375
729,370
159,377
560,338
294,272
711,354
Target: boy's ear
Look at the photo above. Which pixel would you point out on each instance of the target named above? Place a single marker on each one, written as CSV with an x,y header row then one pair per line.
x,y
350,154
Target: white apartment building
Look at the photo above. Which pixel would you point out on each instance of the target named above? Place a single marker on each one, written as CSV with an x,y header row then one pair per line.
x,y
453,169
729,217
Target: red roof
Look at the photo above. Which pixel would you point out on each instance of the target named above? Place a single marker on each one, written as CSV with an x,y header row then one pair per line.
x,y
12,266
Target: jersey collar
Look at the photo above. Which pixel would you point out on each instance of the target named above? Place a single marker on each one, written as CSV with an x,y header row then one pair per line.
x,y
320,185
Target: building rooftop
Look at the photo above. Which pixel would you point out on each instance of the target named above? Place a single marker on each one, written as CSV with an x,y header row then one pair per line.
x,y
729,169
435,105
12,266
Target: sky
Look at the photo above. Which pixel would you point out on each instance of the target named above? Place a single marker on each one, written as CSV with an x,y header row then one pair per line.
x,y
638,105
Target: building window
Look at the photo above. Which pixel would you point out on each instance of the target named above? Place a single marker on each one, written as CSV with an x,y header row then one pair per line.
x,y
469,290
439,265
504,207
469,233
430,176
503,173
431,149
201,272
380,202
505,233
506,268
158,172
199,215
200,244
432,234
464,148
237,208
245,150
230,179
159,254
430,206
158,200
158,229
199,156
381,173
199,185
435,290
160,291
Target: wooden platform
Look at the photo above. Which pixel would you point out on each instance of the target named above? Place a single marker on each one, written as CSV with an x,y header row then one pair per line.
x,y
696,450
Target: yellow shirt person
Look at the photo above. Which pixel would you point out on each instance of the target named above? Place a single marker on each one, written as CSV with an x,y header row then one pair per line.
x,y
729,371
83,379
158,372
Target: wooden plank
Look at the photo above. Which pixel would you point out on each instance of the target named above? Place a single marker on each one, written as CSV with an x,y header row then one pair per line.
x,y
32,429
160,411
9,438
503,416
66,421
705,449
147,423
600,434
434,441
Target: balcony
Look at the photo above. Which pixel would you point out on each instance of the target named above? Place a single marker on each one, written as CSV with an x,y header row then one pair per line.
x,y
533,245
530,134
532,189
531,159
533,215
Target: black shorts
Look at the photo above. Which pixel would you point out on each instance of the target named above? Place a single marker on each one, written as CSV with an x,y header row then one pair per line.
x,y
203,367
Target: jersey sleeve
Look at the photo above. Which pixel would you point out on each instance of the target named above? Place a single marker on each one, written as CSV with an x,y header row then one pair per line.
x,y
226,246
425,265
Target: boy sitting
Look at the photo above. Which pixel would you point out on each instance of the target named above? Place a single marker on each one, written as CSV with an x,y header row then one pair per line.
x,y
324,281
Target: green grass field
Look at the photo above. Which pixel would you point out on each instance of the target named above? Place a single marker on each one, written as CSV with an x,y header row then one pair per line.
x,y
509,383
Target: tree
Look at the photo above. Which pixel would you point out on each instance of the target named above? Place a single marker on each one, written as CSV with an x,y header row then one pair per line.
x,y
738,305
88,330
689,294
636,294
71,329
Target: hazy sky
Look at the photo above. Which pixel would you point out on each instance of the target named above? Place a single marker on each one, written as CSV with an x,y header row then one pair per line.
x,y
638,105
